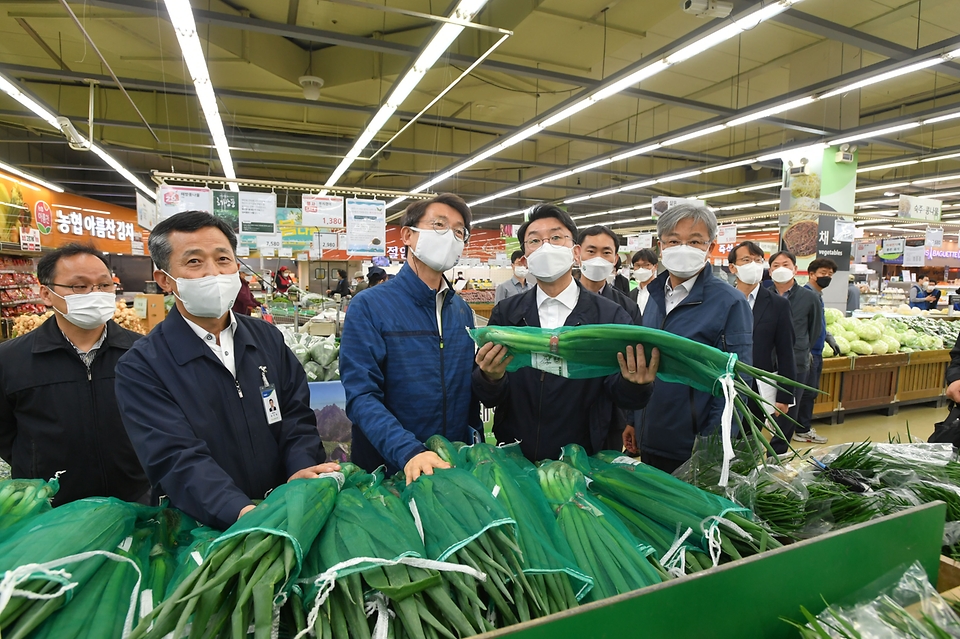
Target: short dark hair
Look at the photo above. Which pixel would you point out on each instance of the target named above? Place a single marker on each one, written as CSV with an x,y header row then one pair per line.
x,y
516,255
47,266
544,211
647,255
752,248
342,273
186,222
599,229
822,262
790,256
412,215
375,277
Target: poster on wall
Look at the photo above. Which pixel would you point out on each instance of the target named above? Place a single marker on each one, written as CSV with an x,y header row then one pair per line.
x,y
920,208
366,227
258,213
323,211
176,199
146,212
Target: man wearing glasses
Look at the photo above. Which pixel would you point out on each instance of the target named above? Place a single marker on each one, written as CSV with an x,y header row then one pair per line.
x,y
405,356
542,409
58,410
687,300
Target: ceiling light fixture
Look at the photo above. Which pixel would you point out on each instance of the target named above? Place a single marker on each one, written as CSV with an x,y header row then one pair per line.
x,y
882,167
875,133
184,25
942,118
889,75
27,176
774,110
881,187
730,165
941,157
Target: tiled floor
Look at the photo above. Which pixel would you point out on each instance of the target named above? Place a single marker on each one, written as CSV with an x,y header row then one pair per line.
x,y
878,427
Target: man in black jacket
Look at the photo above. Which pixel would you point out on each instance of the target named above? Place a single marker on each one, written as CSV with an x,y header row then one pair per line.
x,y
953,374
596,252
58,410
541,408
773,334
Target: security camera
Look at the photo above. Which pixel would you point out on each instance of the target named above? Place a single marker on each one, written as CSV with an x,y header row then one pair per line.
x,y
708,8
76,141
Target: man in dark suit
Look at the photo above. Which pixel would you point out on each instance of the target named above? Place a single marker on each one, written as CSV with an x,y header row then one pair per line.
x,y
773,334
596,252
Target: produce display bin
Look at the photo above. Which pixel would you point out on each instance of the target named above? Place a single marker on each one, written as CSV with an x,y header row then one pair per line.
x,y
922,379
872,384
828,403
747,598
483,309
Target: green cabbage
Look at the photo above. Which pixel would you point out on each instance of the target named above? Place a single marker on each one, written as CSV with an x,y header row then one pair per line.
x,y
860,347
868,331
879,347
851,336
827,351
892,344
835,329
832,315
848,323
842,343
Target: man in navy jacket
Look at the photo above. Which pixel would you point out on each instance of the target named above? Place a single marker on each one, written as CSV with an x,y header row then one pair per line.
x,y
688,300
405,356
194,394
540,409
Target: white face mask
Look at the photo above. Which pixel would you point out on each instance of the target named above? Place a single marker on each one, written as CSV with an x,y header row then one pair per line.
x,y
683,261
210,296
89,310
438,251
750,273
597,269
641,275
781,275
548,263
520,271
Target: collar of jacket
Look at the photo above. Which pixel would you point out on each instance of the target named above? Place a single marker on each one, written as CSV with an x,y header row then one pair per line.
x,y
417,290
657,292
49,337
186,346
531,311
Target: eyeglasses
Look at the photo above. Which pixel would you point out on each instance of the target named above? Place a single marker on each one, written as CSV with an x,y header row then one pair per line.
x,y
747,259
556,240
697,244
83,289
442,226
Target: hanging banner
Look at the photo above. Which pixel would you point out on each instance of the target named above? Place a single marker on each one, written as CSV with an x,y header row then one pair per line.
x,y
633,243
727,234
913,256
844,230
258,213
177,199
327,241
919,208
323,211
226,206
934,238
146,212
829,246
366,227
29,239
893,246
646,240
296,235
285,252
273,241
864,251
659,205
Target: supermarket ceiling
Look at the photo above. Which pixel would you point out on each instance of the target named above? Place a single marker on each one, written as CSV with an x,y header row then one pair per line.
x,y
585,97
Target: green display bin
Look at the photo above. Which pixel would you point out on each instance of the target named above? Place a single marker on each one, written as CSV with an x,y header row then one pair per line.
x,y
747,598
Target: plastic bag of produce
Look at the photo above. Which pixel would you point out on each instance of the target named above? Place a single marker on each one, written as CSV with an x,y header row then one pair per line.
x,y
314,371
247,572
324,351
370,553
301,353
545,551
21,499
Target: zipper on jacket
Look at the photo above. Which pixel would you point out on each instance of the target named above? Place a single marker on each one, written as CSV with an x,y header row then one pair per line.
x,y
239,392
443,379
96,435
536,449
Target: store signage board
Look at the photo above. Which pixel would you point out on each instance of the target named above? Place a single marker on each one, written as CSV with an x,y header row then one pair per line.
x,y
258,213
140,306
727,234
327,241
913,256
920,208
646,240
243,251
296,235
226,206
844,230
303,256
268,252
831,247
136,247
177,199
285,252
659,205
146,212
323,211
934,238
314,254
366,228
893,246
633,243
274,242
29,239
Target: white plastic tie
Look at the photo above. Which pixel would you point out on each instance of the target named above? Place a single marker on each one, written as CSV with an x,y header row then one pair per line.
x,y
675,559
378,605
416,518
726,421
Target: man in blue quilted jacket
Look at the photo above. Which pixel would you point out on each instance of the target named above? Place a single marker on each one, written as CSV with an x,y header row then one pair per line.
x,y
405,356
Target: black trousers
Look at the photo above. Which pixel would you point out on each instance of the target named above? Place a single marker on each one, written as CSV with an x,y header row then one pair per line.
x,y
665,464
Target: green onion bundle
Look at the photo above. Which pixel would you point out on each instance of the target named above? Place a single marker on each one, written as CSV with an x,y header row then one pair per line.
x,y
247,568
603,547
21,499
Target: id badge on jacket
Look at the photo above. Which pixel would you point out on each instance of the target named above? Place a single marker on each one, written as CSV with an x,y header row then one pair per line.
x,y
271,403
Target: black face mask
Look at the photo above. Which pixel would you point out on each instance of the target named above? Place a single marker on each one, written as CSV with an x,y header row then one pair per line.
x,y
824,282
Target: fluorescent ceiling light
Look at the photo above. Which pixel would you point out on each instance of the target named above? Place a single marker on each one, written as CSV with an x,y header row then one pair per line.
x,y
893,200
707,196
774,110
731,165
757,187
499,217
940,178
14,92
881,187
401,89
122,170
635,152
693,134
636,219
634,78
681,176
876,133
181,15
941,157
884,76
27,176
941,118
882,167
777,155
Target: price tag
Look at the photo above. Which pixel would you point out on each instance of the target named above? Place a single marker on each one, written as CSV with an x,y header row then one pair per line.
x,y
549,363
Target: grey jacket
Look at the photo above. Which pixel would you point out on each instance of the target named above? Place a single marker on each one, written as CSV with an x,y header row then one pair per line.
x,y
807,322
510,288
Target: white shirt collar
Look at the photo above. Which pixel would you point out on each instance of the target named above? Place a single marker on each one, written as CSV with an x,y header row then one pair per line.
x,y
752,295
568,296
202,332
686,285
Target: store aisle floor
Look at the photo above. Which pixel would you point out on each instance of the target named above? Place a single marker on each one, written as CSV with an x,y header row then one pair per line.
x,y
878,427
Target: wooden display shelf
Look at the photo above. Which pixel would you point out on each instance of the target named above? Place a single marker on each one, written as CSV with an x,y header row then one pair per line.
x,y
872,384
827,404
483,309
922,379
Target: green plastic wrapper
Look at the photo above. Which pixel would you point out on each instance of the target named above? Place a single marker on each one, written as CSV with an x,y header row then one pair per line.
x,y
543,547
21,499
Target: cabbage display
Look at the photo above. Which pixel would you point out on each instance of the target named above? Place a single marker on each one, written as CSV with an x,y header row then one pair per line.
x,y
832,315
881,335
861,347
